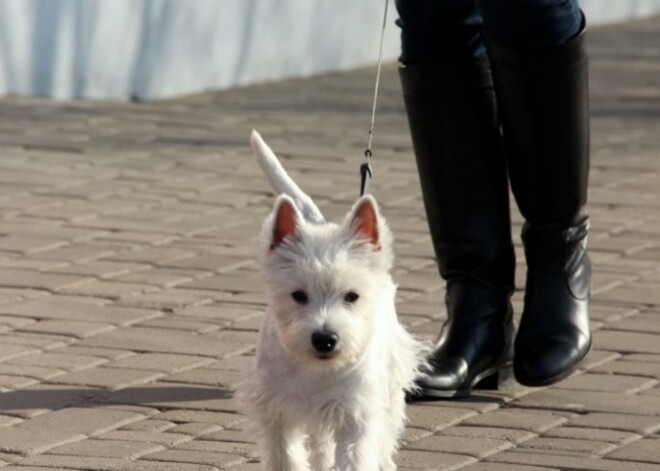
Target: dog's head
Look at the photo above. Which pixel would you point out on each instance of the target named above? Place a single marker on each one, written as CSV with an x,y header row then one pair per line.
x,y
326,281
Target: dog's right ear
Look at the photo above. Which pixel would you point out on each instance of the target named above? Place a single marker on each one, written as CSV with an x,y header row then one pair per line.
x,y
285,221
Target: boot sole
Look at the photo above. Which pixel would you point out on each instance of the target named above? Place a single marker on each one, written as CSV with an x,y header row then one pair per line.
x,y
491,380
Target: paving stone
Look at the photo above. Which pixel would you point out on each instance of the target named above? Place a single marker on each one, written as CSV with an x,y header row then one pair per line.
x,y
7,458
195,429
32,263
206,376
219,460
87,309
6,420
106,448
111,464
646,322
35,468
431,461
628,342
63,361
26,244
229,283
607,383
504,467
437,417
568,444
636,368
10,322
160,277
172,299
168,440
247,467
189,325
201,416
75,253
642,357
8,352
209,262
644,450
149,425
98,268
240,436
634,294
563,460
68,328
39,341
14,295
495,433
236,363
36,280
163,362
459,445
589,401
114,378
30,441
642,424
152,255
596,358
168,341
98,352
107,289
519,419
225,312
591,433
84,420
651,392
204,445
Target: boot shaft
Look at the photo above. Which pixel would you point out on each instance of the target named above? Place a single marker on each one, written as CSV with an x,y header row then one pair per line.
x,y
453,121
544,110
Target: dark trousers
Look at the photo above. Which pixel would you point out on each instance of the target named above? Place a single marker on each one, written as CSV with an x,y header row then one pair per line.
x,y
449,30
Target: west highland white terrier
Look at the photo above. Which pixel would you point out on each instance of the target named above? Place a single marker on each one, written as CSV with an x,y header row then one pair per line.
x,y
333,364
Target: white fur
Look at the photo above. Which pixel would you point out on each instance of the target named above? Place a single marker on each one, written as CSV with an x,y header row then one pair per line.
x,y
347,412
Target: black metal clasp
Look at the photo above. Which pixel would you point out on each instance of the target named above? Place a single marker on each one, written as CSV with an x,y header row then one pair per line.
x,y
365,176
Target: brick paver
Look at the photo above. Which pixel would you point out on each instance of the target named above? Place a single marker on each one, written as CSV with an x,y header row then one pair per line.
x,y
130,295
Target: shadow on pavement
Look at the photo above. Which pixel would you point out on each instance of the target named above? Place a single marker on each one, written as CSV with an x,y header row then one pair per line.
x,y
197,397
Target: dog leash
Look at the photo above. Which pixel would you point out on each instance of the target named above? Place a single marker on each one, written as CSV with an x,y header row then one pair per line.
x,y
365,168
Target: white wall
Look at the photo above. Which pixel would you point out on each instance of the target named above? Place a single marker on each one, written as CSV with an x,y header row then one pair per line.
x,y
161,48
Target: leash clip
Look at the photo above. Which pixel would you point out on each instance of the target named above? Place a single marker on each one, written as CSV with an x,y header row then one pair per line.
x,y
365,176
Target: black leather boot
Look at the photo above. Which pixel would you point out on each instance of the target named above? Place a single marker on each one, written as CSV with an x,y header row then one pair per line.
x,y
453,122
543,105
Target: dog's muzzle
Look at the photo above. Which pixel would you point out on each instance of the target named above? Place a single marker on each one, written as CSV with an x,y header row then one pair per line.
x,y
324,343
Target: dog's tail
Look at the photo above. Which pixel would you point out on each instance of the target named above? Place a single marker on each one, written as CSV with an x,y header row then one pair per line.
x,y
280,181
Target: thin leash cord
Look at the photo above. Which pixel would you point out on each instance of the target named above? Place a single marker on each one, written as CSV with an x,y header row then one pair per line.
x,y
365,169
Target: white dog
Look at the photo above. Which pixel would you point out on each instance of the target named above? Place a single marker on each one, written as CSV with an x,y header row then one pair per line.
x,y
333,363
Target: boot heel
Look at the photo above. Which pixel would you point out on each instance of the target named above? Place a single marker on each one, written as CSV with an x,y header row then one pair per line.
x,y
501,379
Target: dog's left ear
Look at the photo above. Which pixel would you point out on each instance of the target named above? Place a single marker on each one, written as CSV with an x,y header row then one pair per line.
x,y
364,221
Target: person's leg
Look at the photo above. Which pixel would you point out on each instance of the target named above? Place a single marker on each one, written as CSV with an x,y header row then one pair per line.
x,y
435,31
539,66
450,103
531,24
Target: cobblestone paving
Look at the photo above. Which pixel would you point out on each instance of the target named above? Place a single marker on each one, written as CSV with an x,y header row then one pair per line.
x,y
130,298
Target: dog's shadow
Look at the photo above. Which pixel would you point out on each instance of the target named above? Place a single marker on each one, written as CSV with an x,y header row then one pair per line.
x,y
165,396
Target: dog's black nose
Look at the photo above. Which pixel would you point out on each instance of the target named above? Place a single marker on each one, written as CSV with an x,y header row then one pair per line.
x,y
324,342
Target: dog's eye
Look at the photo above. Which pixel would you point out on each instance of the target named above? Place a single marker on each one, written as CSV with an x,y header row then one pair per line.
x,y
300,297
351,297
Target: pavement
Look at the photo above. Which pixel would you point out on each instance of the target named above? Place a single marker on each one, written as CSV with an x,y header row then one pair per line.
x,y
130,295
